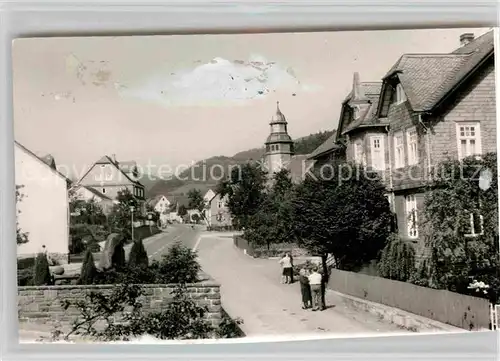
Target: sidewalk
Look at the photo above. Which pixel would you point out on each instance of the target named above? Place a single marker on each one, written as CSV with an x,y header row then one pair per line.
x,y
251,290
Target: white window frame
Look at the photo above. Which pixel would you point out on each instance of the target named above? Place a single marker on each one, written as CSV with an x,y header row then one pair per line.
x,y
400,94
411,209
412,146
399,161
472,233
378,164
476,138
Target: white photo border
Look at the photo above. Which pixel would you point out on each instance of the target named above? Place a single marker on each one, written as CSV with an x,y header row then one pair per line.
x,y
44,18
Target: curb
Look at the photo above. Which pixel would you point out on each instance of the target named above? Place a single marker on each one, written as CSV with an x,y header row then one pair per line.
x,y
403,319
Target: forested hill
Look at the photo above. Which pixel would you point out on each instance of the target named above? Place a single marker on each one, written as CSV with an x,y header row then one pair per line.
x,y
204,174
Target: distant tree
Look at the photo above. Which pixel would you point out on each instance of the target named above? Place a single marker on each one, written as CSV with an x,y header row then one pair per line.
x,y
182,211
120,217
88,271
138,256
41,275
21,237
347,216
307,145
244,188
196,201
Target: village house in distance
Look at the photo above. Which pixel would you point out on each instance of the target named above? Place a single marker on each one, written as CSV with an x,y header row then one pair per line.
x,y
428,108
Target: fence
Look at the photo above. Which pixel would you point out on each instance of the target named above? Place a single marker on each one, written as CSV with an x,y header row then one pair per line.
x,y
467,312
494,310
243,244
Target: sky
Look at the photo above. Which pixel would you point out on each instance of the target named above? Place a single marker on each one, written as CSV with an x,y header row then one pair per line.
x,y
173,100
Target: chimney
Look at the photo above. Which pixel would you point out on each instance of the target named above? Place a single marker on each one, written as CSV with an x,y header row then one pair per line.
x,y
466,38
357,93
113,157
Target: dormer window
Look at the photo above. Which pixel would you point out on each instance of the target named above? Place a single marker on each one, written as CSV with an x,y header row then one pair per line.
x,y
400,94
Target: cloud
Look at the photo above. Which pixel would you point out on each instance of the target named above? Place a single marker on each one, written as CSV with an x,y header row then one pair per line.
x,y
218,81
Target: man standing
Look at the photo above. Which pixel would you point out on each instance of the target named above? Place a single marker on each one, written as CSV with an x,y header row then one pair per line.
x,y
315,280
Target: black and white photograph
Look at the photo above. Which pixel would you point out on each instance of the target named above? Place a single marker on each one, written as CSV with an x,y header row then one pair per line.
x,y
241,186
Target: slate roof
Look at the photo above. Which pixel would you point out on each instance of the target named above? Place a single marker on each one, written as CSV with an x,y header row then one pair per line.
x,y
154,201
327,146
369,117
427,78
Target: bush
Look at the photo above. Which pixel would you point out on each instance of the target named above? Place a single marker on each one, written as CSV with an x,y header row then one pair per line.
x,y
25,277
24,263
182,318
229,328
88,271
41,274
398,260
179,265
138,256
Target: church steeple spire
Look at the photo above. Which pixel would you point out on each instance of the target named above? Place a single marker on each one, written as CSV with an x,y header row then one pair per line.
x,y
279,145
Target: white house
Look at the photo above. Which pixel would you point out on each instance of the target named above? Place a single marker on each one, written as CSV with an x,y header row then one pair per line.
x,y
43,211
162,205
88,193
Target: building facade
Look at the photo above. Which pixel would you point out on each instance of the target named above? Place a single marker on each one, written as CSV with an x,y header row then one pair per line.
x,y
43,211
108,177
217,213
428,108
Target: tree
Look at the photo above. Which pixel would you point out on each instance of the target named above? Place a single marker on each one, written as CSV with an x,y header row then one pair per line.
x,y
244,188
88,271
196,201
182,211
273,222
120,217
460,221
138,256
41,275
21,237
398,260
347,216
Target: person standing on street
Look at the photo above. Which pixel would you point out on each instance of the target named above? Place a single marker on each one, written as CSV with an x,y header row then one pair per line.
x,y
305,289
287,269
315,280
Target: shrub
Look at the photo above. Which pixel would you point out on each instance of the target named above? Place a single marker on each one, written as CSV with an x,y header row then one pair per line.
x,y
24,263
41,274
88,271
138,256
229,328
179,265
25,277
118,260
182,318
398,260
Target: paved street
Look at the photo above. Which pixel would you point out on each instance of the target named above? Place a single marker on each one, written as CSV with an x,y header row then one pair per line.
x,y
251,289
158,245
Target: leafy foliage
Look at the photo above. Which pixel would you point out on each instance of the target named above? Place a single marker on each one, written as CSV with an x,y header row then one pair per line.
x,y
463,248
398,260
120,217
179,265
88,271
272,223
245,188
182,210
138,256
347,216
41,274
196,201
21,237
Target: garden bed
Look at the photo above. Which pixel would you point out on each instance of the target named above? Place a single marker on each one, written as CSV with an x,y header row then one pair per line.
x,y
278,250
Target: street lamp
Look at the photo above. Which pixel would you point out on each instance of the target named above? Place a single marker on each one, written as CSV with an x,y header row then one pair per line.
x,y
132,220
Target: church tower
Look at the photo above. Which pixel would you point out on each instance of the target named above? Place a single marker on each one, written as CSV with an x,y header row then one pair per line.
x,y
279,145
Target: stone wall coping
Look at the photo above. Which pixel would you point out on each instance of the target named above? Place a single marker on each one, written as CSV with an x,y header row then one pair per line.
x,y
107,286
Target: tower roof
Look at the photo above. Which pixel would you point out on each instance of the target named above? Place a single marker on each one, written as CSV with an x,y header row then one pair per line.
x,y
279,117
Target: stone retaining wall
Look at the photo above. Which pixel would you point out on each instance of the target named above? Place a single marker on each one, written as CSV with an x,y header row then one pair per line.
x,y
42,305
